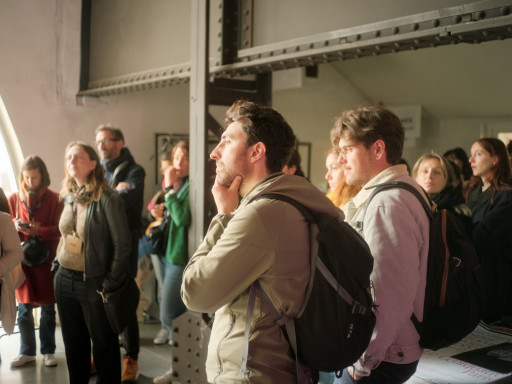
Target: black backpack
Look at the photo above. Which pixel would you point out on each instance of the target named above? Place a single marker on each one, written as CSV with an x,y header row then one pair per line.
x,y
453,294
336,322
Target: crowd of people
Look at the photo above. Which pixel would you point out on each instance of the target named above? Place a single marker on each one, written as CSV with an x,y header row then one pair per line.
x,y
91,231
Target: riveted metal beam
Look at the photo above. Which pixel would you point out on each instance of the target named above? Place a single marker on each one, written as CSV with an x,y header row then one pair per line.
x,y
472,23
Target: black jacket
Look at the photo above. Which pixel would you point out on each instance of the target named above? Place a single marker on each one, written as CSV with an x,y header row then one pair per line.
x,y
107,240
492,237
125,169
453,201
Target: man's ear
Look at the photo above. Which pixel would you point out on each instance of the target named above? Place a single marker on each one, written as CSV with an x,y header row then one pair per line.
x,y
379,148
258,152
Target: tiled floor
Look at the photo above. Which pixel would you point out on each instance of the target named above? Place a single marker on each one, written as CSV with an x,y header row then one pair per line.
x,y
153,360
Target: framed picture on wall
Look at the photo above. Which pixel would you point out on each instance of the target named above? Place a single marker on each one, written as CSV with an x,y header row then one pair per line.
x,y
305,158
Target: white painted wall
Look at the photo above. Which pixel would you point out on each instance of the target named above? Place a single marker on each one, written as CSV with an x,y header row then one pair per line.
x,y
39,69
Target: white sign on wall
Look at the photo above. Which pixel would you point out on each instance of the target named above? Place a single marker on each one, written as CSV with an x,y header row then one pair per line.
x,y
410,116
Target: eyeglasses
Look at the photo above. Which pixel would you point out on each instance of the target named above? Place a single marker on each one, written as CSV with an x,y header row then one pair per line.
x,y
105,141
344,151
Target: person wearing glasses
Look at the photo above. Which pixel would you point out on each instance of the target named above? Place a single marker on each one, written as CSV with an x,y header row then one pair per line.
x,y
370,140
127,178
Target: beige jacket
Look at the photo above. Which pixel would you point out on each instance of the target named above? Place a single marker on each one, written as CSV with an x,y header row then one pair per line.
x,y
266,240
10,256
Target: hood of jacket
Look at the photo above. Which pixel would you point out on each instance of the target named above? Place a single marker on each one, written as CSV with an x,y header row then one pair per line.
x,y
125,156
296,187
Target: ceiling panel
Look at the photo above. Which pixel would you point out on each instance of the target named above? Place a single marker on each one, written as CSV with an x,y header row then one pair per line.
x,y
461,81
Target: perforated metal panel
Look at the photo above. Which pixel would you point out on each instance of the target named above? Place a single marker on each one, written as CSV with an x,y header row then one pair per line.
x,y
191,335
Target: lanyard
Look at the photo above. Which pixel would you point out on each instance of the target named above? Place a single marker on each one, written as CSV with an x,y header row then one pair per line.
x,y
75,215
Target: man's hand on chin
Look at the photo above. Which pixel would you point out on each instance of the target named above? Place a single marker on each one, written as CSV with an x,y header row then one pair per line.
x,y
226,197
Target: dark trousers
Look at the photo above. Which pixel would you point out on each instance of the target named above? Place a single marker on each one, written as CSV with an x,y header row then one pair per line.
x,y
131,332
385,373
131,337
83,320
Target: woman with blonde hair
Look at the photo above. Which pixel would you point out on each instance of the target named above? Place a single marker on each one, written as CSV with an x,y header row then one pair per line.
x,y
93,257
338,191
36,211
437,176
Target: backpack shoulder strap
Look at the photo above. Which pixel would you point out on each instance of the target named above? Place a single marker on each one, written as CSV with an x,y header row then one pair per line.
x,y
313,234
120,168
427,206
301,208
280,319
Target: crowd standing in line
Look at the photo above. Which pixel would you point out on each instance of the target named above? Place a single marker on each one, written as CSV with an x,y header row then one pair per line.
x,y
260,239
36,211
127,178
93,255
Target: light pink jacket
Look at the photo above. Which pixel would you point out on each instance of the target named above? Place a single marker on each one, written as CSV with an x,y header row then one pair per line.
x,y
396,229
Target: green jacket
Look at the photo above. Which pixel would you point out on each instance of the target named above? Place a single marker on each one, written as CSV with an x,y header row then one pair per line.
x,y
179,209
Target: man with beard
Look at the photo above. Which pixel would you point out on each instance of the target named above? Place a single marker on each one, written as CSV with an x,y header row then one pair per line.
x,y
253,239
127,178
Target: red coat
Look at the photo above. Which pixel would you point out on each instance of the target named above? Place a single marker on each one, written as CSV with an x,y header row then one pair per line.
x,y
38,287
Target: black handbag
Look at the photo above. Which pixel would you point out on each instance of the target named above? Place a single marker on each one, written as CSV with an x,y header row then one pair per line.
x,y
157,235
121,304
34,252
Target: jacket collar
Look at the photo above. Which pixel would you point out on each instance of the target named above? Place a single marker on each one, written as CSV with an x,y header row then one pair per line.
x,y
125,156
261,187
395,172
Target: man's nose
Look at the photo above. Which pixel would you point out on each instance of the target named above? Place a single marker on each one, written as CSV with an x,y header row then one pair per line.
x,y
215,153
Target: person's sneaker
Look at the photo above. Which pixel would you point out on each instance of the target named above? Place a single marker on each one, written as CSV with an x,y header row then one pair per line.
x,y
21,360
162,337
130,370
49,360
166,378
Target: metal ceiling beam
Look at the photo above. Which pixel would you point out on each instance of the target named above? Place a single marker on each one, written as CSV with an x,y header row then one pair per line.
x,y
471,23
